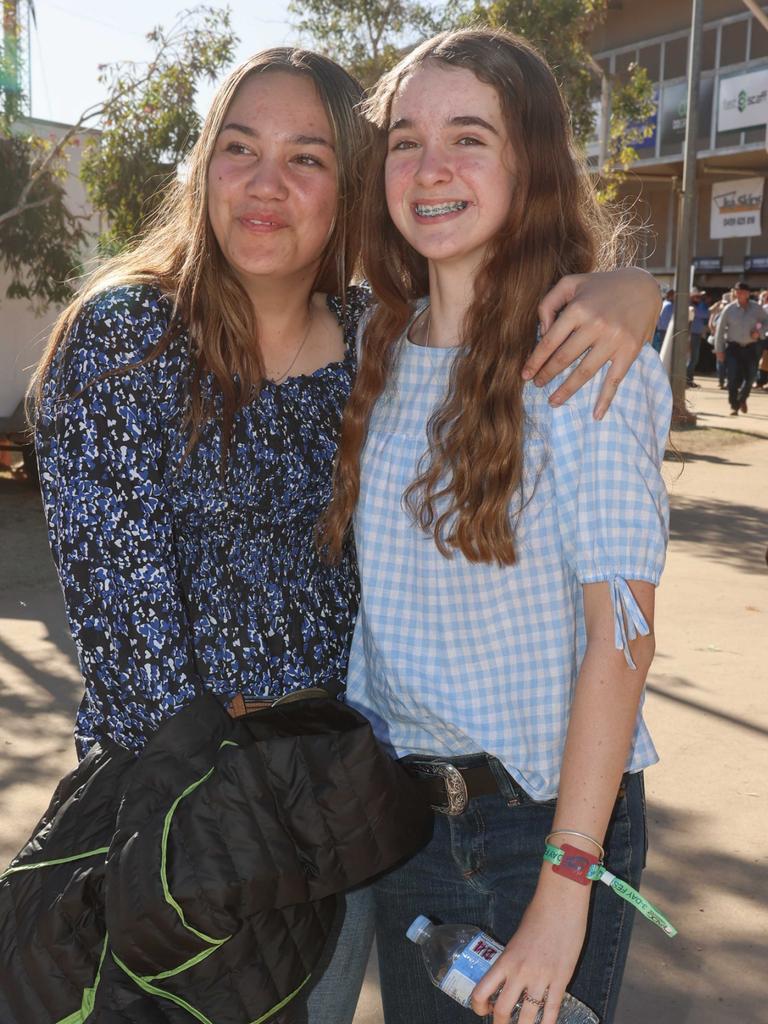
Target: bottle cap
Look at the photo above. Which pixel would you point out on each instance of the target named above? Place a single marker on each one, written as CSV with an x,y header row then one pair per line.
x,y
419,929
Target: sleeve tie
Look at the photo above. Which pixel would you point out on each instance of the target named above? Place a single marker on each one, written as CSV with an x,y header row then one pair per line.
x,y
629,621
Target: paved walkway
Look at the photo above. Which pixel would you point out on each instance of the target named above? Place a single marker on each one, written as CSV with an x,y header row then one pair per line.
x,y
706,708
711,407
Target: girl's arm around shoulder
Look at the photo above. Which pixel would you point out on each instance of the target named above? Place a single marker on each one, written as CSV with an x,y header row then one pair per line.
x,y
608,316
641,408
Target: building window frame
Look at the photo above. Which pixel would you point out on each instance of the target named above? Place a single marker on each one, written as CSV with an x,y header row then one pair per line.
x,y
716,73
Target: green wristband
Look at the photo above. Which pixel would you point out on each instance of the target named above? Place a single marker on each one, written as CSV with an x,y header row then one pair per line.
x,y
598,873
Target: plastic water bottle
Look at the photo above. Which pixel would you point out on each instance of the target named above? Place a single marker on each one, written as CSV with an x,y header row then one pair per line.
x,y
457,956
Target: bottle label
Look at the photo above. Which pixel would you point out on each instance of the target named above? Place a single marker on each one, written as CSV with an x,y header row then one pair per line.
x,y
469,967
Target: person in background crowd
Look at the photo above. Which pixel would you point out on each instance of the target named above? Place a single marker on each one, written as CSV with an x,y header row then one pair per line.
x,y
714,315
667,309
698,328
762,366
762,371
739,329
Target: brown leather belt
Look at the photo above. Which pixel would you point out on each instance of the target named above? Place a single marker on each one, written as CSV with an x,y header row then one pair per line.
x,y
448,787
240,705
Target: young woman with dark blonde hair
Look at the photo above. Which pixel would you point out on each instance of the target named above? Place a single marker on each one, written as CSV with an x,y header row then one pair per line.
x,y
508,548
189,406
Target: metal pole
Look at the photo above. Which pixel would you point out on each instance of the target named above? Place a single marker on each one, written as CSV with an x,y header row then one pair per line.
x,y
605,113
11,76
605,118
686,213
30,17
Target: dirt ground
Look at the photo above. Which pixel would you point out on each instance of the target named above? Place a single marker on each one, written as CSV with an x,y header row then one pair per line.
x,y
706,708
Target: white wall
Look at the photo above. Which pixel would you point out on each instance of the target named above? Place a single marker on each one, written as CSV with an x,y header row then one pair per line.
x,y
23,331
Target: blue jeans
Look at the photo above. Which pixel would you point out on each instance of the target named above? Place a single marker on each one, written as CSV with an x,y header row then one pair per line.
x,y
337,980
693,358
481,867
762,375
721,370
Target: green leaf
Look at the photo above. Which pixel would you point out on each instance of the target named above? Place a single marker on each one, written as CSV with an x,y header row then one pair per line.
x,y
149,124
149,119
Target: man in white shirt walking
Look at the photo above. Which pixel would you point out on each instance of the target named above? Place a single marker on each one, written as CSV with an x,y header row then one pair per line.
x,y
739,329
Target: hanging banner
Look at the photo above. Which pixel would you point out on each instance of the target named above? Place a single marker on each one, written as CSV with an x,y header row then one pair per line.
x,y
743,101
674,115
736,207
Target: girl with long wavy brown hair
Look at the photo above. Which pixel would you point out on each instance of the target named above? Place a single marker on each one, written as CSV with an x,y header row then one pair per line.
x,y
508,545
188,410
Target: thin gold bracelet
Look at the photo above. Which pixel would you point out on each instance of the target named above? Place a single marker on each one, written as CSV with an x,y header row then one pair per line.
x,y
581,835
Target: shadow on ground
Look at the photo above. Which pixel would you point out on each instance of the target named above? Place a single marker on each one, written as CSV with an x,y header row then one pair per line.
x,y
724,531
681,458
707,883
662,689
25,559
691,978
40,688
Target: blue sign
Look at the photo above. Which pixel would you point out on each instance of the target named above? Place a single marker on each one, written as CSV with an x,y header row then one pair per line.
x,y
650,122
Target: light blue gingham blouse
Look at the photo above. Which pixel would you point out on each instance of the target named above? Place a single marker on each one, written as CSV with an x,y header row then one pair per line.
x,y
450,657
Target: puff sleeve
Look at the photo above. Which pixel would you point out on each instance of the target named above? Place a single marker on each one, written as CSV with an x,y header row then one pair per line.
x,y
613,511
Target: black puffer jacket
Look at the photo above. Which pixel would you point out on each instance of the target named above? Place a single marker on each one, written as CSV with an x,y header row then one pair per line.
x,y
197,881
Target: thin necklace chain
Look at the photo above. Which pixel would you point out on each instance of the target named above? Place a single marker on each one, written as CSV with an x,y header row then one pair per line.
x,y
428,313
434,365
424,314
282,376
429,326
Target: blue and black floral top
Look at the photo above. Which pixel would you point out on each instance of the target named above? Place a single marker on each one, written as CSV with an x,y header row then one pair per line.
x,y
173,578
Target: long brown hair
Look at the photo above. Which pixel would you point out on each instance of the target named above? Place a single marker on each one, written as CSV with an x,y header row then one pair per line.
x,y
180,254
474,462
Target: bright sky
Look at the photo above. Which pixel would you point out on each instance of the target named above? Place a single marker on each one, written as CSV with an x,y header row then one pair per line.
x,y
74,36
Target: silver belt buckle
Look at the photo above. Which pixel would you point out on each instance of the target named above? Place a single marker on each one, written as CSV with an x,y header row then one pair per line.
x,y
455,786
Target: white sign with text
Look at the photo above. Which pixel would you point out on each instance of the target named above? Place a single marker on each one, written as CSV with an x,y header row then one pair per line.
x,y
743,101
736,208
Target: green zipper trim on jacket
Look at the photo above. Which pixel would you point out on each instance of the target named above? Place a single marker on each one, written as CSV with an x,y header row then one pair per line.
x,y
89,995
152,990
282,1003
192,962
145,982
164,854
73,1018
53,863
